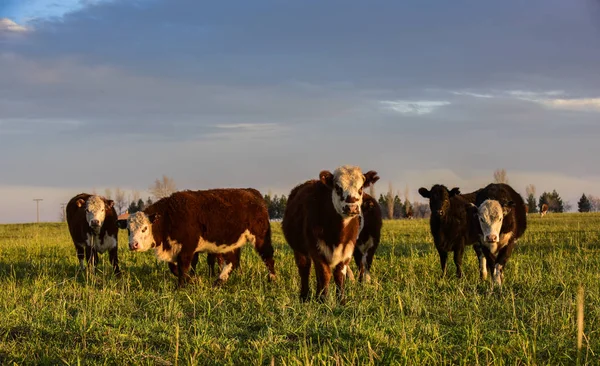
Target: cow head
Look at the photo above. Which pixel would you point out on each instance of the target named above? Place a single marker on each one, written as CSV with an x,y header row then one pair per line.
x,y
346,184
439,198
95,211
139,226
490,214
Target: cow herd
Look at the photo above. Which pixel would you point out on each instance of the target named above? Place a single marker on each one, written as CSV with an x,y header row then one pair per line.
x,y
327,222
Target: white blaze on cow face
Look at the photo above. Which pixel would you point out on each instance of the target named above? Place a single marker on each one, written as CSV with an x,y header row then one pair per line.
x,y
491,214
347,191
95,213
140,232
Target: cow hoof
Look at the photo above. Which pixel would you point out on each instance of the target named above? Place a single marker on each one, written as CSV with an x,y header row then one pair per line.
x,y
272,277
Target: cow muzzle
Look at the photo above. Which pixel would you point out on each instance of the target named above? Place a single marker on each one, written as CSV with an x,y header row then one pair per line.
x,y
492,238
133,246
351,210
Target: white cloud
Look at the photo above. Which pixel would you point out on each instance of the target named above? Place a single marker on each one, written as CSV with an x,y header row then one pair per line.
x,y
7,25
414,107
248,126
585,104
470,94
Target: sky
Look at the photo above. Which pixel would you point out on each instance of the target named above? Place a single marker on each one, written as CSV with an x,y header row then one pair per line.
x,y
267,93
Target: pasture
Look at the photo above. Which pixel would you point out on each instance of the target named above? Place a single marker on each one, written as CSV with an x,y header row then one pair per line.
x,y
51,313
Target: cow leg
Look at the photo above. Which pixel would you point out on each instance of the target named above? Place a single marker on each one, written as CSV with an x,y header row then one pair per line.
x,y
89,258
225,271
210,260
338,276
323,278
174,269
501,260
369,262
194,264
303,262
184,262
349,273
443,260
233,257
458,258
264,247
358,255
80,248
482,261
114,260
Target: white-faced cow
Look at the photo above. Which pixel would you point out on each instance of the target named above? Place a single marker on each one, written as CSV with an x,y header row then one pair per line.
x,y
214,221
452,226
92,222
321,224
544,210
500,211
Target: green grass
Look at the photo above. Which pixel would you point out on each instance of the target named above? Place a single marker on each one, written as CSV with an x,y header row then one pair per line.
x,y
52,314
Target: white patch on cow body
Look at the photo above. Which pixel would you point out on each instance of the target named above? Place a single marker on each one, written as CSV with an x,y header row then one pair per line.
x,y
349,273
344,270
339,254
225,272
101,246
168,255
207,246
365,246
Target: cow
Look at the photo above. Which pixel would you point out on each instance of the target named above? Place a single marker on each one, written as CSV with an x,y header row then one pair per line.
x,y
368,238
92,222
544,210
500,211
452,226
321,224
216,221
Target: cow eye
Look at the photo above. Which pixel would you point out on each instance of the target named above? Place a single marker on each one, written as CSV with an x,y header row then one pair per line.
x,y
144,229
360,191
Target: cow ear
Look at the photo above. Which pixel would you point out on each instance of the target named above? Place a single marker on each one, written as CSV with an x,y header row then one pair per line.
x,y
122,224
153,218
424,192
110,203
471,209
507,207
454,192
370,178
80,202
326,178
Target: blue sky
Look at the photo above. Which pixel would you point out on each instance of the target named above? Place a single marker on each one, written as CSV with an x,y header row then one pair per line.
x,y
268,93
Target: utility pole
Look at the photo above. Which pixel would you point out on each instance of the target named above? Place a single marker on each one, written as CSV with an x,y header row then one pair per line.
x,y
37,201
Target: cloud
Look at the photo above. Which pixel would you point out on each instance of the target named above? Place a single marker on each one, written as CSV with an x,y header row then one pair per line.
x,y
7,25
584,104
470,94
419,107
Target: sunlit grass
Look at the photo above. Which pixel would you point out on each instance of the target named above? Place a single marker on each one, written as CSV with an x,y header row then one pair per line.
x,y
52,314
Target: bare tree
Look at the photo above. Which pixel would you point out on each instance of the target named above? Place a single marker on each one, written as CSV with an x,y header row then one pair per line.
x,y
530,190
406,193
108,194
567,206
500,176
63,213
163,188
120,200
390,201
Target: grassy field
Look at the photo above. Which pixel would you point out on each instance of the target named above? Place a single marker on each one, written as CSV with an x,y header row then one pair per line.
x,y
52,314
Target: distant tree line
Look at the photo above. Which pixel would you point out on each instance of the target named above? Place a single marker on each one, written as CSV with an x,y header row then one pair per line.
x,y
275,205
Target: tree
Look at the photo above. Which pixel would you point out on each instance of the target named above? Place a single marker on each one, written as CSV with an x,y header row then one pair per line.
x,y
108,194
148,202
120,200
500,176
163,188
398,207
584,204
383,205
133,208
531,201
421,210
594,203
553,200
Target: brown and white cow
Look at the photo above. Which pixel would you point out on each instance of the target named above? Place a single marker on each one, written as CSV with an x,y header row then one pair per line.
x,y
92,222
544,210
500,211
214,221
321,224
